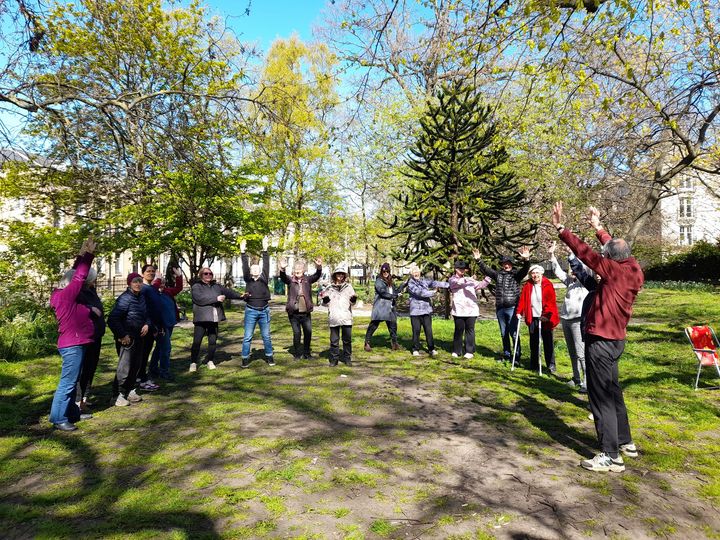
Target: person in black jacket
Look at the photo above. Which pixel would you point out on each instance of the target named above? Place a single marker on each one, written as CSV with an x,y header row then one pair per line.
x,y
129,323
299,304
257,303
507,292
207,299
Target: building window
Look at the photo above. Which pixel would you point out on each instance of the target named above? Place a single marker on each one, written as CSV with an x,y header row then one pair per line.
x,y
686,236
118,264
685,208
687,184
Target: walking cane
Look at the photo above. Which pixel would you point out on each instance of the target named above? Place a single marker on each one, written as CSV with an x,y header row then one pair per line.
x,y
540,343
515,345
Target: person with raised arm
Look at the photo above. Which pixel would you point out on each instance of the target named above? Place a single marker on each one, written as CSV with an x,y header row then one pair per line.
x,y
160,360
570,319
257,303
75,333
465,310
507,293
538,306
421,291
299,305
605,333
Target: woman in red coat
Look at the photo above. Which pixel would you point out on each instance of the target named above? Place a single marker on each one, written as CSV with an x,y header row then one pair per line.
x,y
538,306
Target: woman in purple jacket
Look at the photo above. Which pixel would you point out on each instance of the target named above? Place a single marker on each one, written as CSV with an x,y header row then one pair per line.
x,y
75,331
421,291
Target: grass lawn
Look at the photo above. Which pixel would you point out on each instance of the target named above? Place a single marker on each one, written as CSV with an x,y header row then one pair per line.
x,y
394,447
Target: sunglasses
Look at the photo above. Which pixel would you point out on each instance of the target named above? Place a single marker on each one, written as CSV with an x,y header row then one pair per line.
x,y
207,273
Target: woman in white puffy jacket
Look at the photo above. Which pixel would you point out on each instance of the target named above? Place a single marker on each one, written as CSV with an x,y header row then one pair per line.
x,y
570,317
339,298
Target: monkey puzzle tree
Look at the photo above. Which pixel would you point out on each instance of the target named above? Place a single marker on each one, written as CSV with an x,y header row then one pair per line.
x,y
461,193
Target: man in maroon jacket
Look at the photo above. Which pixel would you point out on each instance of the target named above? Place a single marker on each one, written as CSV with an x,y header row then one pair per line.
x,y
606,325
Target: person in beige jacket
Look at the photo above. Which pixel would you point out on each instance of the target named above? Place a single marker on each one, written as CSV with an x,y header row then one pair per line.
x,y
339,298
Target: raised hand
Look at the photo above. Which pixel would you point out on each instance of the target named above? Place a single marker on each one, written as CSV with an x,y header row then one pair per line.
x,y
282,263
476,253
243,245
594,218
557,214
318,261
265,243
551,249
88,246
177,272
524,252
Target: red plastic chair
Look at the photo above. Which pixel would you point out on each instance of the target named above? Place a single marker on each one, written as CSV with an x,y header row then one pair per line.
x,y
705,346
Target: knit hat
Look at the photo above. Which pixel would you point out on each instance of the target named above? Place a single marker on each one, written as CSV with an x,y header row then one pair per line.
x,y
132,276
385,268
536,268
506,259
461,264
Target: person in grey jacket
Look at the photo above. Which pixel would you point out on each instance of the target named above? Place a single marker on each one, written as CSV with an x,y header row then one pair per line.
x,y
339,298
386,292
570,318
207,299
421,291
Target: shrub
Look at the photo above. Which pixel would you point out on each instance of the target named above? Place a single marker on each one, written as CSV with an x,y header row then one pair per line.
x,y
699,263
28,334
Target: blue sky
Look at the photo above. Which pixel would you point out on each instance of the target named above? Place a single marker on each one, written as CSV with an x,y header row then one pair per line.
x,y
270,19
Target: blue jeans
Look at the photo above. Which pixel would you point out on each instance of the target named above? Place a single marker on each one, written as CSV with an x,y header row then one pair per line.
x,y
254,317
508,326
161,354
64,408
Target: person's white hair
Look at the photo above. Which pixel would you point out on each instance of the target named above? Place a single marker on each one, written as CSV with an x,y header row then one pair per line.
x,y
536,268
69,274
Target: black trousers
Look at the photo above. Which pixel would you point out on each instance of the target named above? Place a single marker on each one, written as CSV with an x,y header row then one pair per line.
x,y
301,324
89,366
129,359
464,326
392,328
147,345
606,397
201,330
546,335
424,321
335,333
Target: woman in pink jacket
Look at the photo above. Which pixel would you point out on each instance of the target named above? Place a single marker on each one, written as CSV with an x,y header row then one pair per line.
x,y
465,310
75,331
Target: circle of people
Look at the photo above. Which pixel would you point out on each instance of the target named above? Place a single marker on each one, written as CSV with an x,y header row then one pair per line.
x,y
601,288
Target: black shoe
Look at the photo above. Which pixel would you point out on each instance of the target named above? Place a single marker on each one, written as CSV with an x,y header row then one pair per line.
x,y
245,362
298,358
270,361
308,356
65,426
348,362
333,363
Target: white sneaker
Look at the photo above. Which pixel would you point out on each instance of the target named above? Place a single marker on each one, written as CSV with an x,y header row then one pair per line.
x,y
120,401
604,463
591,417
193,367
134,397
433,353
211,365
469,355
416,353
454,355
629,449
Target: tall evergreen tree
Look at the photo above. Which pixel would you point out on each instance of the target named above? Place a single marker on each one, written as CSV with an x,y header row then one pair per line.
x,y
461,193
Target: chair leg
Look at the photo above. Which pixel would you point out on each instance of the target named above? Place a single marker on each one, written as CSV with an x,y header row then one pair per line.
x,y
697,379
